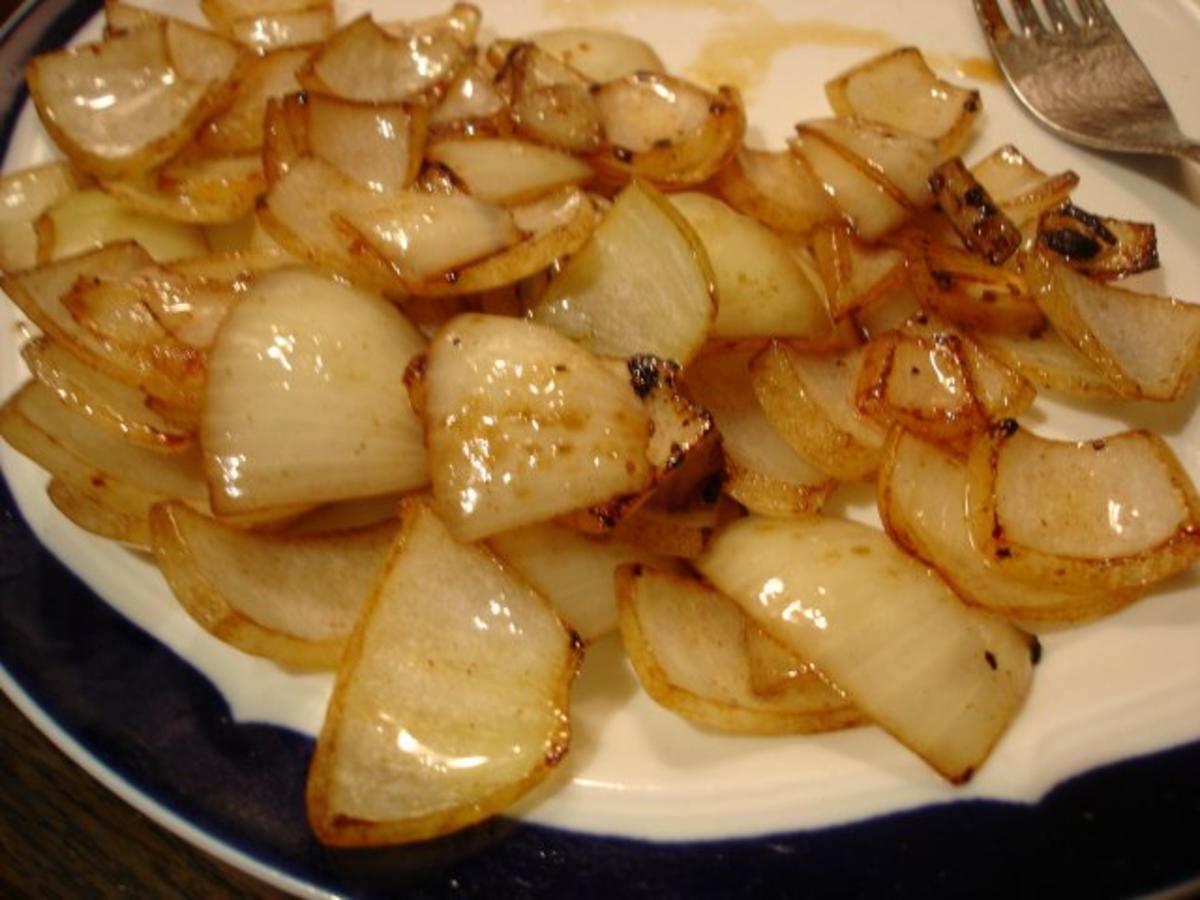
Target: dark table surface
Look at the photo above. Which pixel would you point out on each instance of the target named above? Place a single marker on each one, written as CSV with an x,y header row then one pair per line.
x,y
64,835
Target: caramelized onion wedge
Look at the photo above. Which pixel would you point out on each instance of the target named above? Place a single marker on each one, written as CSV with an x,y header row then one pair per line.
x,y
362,61
666,130
598,54
810,402
436,723
775,669
109,483
642,285
573,571
399,242
762,472
1147,345
120,16
920,383
500,170
167,370
814,586
461,21
221,10
957,286
774,187
298,212
376,144
856,273
303,403
687,645
922,494
523,425
90,219
238,128
548,100
291,599
1000,391
554,227
1018,187
423,236
864,201
899,160
272,25
1107,514
104,400
190,307
124,105
763,291
1049,363
24,196
472,105
900,90
195,187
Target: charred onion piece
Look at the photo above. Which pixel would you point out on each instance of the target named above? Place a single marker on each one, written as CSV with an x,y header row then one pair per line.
x,y
983,227
1097,246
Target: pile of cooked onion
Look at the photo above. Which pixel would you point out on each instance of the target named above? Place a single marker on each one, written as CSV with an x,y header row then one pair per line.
x,y
433,362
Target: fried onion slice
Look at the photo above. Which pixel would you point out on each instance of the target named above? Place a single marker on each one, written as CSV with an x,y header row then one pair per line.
x,y
1109,514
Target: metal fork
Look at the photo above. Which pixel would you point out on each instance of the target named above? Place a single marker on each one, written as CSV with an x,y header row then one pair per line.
x,y
1082,78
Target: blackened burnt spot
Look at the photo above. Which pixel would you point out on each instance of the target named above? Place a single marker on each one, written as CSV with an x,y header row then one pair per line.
x,y
710,488
944,280
1093,222
643,374
975,196
971,104
623,154
991,659
1035,651
1008,427
1003,553
1098,445
1070,244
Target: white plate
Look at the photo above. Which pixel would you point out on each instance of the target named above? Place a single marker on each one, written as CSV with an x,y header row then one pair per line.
x,y
1126,686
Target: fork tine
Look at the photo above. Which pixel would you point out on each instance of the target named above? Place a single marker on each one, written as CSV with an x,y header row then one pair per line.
x,y
1096,14
995,26
1059,15
1027,17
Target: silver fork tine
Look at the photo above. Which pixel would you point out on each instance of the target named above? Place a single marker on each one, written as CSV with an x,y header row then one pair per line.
x,y
1059,15
995,26
1096,14
1027,17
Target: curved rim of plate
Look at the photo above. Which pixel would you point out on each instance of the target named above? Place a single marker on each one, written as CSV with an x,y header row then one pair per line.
x,y
39,25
